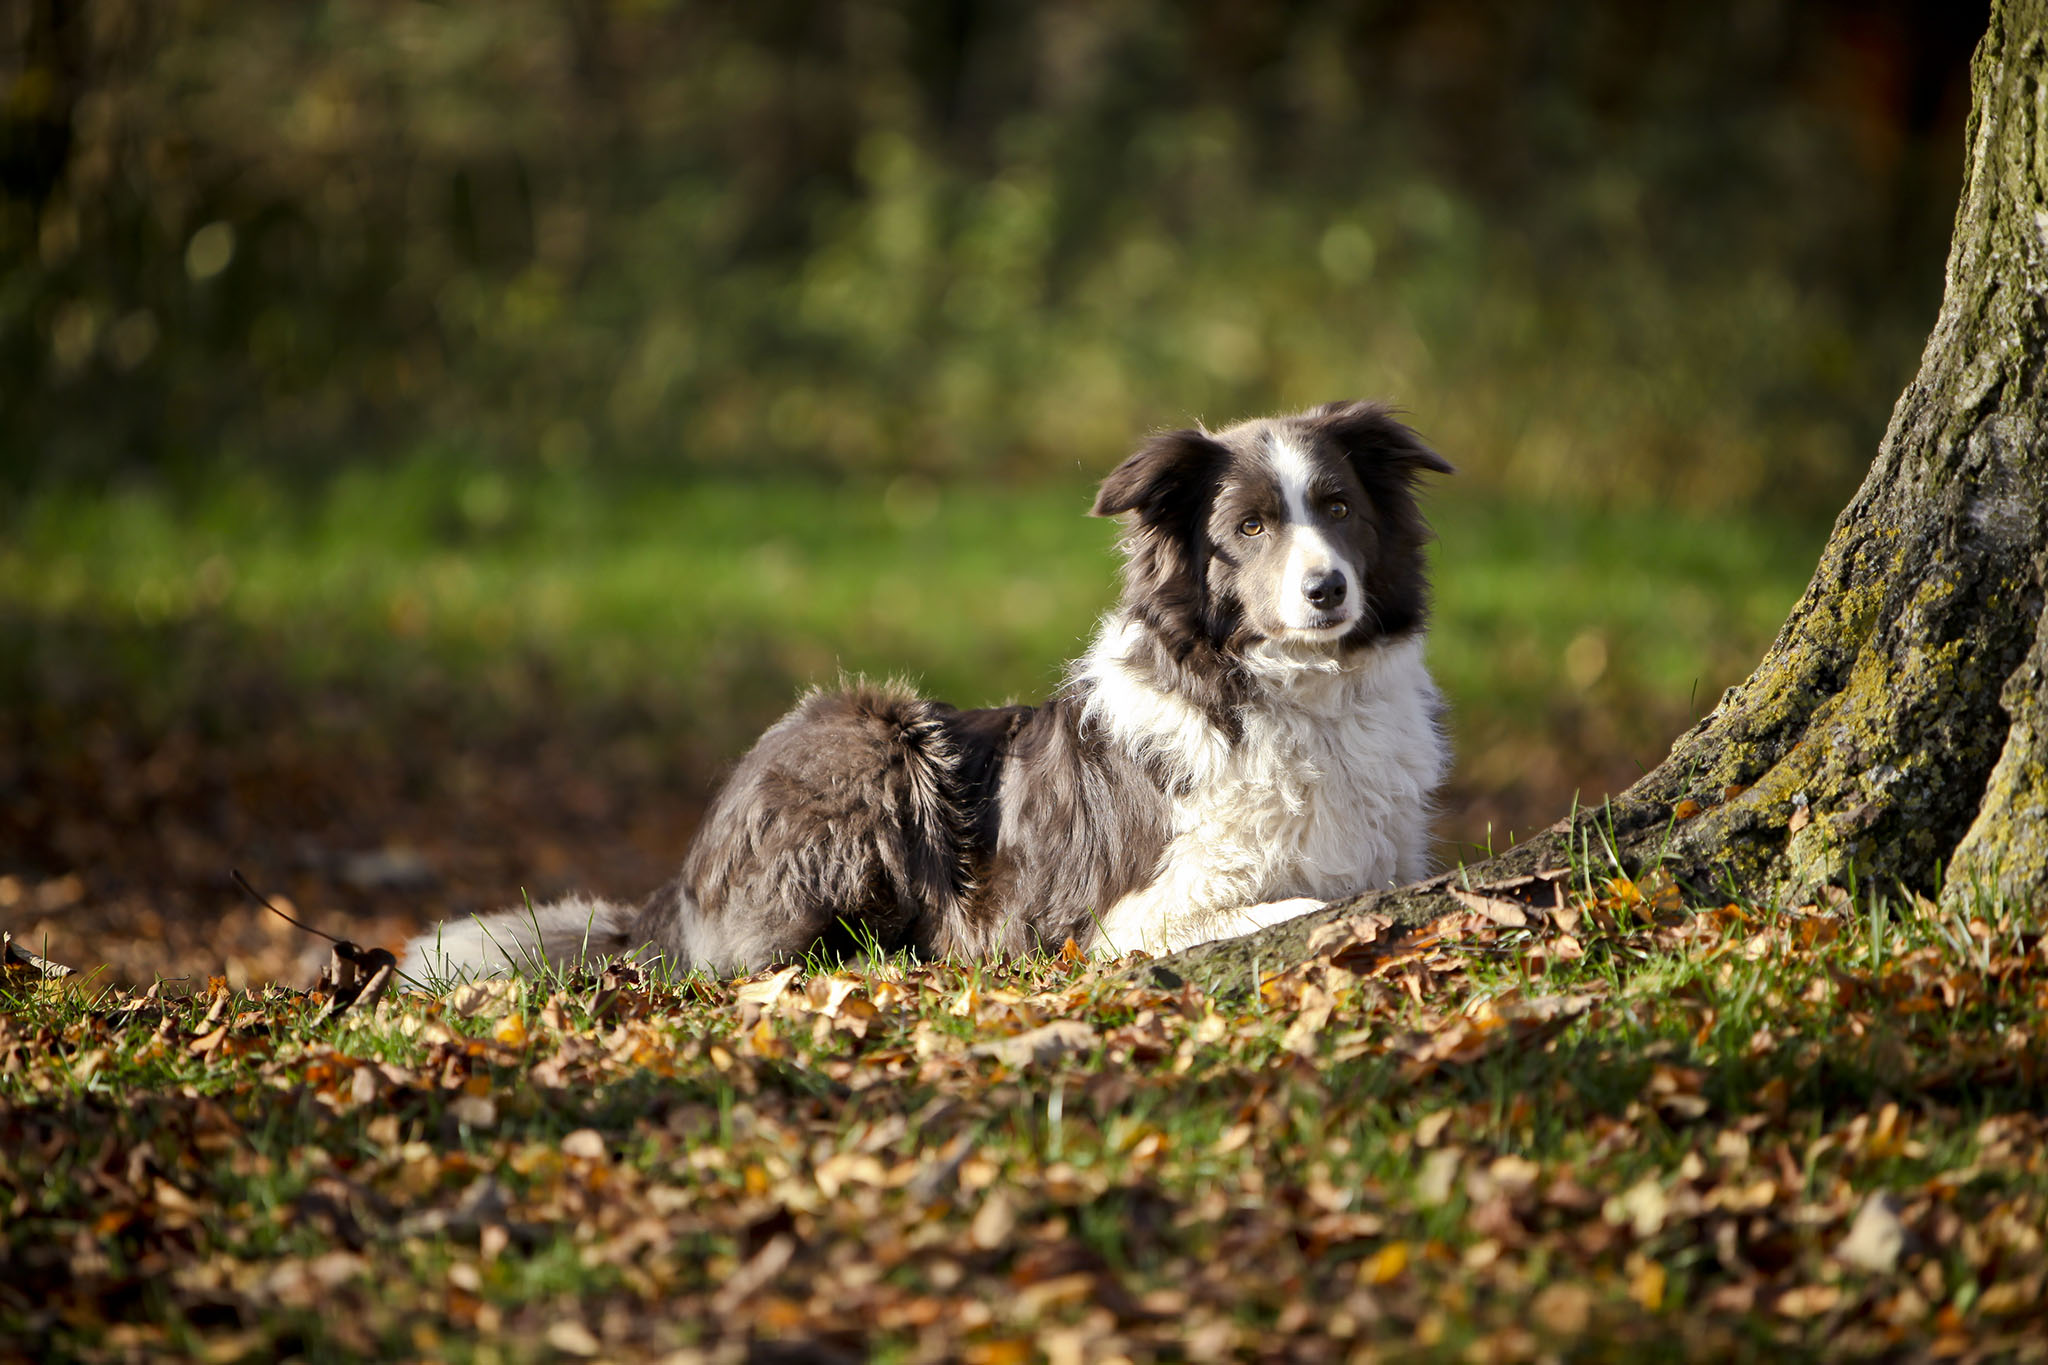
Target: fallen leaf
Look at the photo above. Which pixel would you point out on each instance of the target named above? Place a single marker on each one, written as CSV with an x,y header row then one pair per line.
x,y
1562,1310
1509,914
1646,1282
586,1144
1643,1207
767,991
1037,1046
993,1222
14,957
1808,1300
1385,1265
572,1338
490,997
475,1111
1877,1238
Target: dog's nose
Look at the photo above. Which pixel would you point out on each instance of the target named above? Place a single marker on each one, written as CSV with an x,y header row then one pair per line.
x,y
1325,589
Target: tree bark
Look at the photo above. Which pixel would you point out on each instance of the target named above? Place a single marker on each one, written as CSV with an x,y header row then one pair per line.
x,y
1896,734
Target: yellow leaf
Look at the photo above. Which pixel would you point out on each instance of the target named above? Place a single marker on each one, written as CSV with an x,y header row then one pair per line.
x,y
1646,1282
1384,1265
2005,1299
763,1041
511,1030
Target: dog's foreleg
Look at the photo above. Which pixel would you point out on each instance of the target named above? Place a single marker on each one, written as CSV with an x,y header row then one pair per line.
x,y
1155,928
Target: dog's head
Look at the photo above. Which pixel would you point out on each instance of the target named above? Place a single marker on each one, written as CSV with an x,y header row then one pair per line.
x,y
1299,530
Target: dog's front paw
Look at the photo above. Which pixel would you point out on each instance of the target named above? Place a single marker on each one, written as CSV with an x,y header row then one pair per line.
x,y
1252,917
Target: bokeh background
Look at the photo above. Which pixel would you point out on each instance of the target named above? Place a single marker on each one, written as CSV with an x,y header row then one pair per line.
x,y
433,438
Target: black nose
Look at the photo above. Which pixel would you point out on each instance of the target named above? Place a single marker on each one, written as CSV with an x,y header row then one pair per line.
x,y
1324,589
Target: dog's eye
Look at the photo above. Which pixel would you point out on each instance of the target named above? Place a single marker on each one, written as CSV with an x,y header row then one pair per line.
x,y
1251,526
1339,509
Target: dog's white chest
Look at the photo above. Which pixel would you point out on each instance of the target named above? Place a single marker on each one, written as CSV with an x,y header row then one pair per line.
x,y
1326,794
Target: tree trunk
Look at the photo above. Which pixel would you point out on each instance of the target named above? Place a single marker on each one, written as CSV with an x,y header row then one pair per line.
x,y
1896,734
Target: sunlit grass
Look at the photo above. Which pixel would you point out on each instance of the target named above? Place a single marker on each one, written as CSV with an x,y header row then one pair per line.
x,y
981,591
1632,1126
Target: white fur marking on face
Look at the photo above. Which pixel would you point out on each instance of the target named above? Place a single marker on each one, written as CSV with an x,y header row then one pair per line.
x,y
1291,465
1308,551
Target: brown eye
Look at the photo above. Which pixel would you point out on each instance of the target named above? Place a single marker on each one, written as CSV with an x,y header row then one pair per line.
x,y
1251,526
1339,509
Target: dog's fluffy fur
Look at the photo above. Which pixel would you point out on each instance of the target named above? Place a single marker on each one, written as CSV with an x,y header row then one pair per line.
x,y
1252,731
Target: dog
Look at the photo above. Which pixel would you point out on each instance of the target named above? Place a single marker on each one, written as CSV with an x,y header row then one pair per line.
x,y
1251,733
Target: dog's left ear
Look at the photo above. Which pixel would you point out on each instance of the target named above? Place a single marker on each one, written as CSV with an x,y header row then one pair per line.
x,y
1163,478
1369,435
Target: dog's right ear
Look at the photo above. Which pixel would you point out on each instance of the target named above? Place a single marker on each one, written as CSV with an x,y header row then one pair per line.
x,y
1165,474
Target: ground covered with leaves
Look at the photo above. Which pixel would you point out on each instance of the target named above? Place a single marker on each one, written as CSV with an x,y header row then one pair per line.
x,y
1589,1122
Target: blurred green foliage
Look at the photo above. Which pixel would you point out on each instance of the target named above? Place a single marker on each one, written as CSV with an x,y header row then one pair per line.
x,y
1598,250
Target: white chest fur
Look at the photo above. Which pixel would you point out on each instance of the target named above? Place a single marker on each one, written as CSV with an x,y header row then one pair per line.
x,y
1326,791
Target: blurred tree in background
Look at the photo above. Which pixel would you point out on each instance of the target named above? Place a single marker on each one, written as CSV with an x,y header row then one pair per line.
x,y
1598,249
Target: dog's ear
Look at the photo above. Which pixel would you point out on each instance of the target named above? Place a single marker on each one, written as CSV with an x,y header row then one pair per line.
x,y
1369,435
1168,473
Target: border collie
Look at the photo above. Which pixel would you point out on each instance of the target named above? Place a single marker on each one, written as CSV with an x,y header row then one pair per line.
x,y
1252,732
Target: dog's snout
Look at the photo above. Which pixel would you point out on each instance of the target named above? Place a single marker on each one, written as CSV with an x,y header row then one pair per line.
x,y
1325,589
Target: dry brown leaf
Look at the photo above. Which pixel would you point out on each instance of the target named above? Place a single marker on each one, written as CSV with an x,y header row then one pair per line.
x,y
1563,1310
1045,1043
1877,1238
993,1222
1306,1031
586,1144
768,990
14,957
489,997
1507,913
1643,1207
1809,1300
474,1111
572,1338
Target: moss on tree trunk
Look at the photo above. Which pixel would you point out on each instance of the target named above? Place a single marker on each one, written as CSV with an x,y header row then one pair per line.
x,y
1896,734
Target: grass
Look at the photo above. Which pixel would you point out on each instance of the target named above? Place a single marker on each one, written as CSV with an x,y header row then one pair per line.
x,y
1625,1130
1632,1127
1570,642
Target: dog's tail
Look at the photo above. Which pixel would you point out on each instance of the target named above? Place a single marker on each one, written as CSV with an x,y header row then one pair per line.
x,y
529,939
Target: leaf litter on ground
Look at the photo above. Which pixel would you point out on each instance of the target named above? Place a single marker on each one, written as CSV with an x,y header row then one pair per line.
x,y
1573,1115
